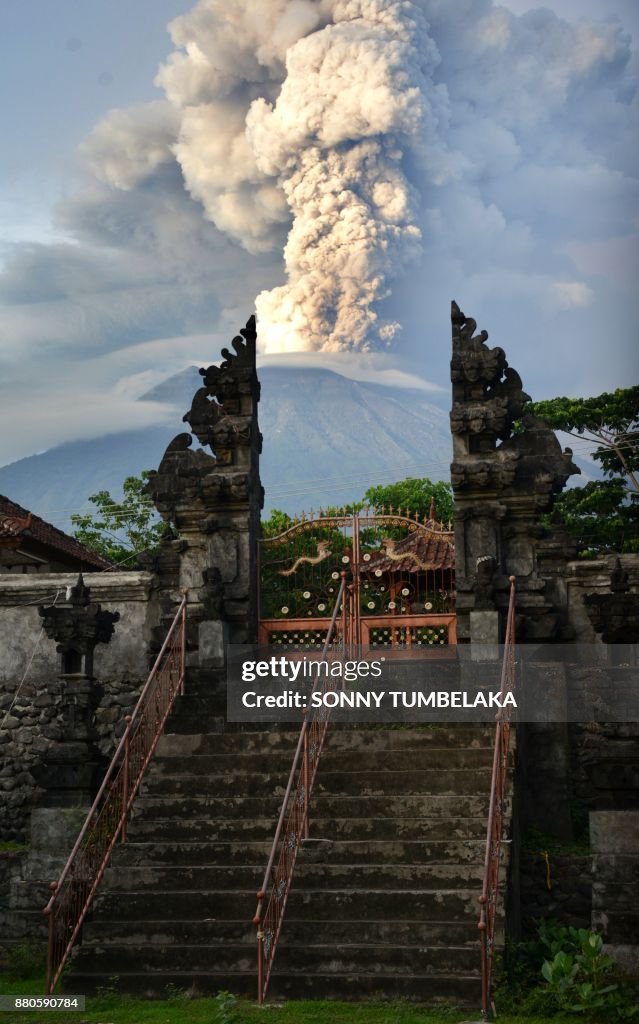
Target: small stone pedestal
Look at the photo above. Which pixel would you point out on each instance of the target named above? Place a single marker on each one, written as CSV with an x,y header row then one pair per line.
x,y
77,626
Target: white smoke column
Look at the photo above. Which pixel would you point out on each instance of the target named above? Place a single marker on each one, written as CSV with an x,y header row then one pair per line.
x,y
354,97
228,53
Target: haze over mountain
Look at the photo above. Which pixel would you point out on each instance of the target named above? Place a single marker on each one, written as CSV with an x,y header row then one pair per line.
x,y
327,438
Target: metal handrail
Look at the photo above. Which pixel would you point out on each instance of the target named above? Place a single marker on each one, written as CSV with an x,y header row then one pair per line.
x,y
496,811
72,894
289,835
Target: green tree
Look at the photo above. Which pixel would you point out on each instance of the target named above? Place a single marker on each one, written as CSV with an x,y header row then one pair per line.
x,y
276,523
603,515
600,516
117,530
610,421
414,494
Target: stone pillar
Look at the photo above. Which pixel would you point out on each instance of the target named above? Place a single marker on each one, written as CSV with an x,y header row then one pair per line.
x,y
213,500
502,481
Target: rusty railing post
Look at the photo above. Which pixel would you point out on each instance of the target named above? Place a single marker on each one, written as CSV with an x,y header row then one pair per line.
x,y
291,828
49,911
260,947
494,831
125,775
183,647
106,821
306,783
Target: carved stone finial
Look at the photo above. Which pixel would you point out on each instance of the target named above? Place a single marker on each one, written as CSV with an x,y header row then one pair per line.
x,y
221,411
79,594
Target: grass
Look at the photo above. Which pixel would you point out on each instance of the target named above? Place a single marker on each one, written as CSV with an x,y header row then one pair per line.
x,y
12,846
113,1009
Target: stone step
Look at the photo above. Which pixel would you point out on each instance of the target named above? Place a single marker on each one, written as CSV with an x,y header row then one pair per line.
x,y
384,901
325,850
211,829
382,782
432,903
312,876
459,990
279,762
325,958
371,739
325,805
298,931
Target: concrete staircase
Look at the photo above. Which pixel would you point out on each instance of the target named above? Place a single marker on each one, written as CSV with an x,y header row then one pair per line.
x,y
384,901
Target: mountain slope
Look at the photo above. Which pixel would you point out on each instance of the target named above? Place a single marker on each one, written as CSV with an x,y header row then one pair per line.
x,y
326,439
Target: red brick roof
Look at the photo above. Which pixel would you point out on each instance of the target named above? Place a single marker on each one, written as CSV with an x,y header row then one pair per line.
x,y
17,522
421,551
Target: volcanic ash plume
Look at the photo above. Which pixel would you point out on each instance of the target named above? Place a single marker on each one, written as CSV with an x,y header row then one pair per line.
x,y
353,99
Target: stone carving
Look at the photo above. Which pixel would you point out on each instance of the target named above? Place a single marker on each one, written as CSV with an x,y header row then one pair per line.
x,y
507,466
77,626
219,411
494,473
212,496
473,362
616,615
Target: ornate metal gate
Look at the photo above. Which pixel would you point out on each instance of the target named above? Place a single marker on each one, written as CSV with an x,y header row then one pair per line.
x,y
400,571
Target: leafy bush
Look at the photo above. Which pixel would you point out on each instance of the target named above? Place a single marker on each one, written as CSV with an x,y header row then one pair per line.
x,y
225,1008
582,981
578,977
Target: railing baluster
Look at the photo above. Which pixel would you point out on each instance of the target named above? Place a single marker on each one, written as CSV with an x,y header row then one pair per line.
x,y
125,774
293,827
72,894
494,833
305,777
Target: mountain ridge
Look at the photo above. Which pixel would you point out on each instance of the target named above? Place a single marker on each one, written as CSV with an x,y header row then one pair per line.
x,y
327,438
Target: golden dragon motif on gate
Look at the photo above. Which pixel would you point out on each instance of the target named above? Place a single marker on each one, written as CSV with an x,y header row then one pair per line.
x,y
323,552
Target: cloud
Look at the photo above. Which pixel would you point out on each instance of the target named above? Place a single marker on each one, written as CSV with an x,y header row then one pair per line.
x,y
355,164
128,145
355,124
374,367
67,407
569,294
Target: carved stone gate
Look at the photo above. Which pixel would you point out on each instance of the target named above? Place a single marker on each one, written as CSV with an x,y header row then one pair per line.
x,y
400,572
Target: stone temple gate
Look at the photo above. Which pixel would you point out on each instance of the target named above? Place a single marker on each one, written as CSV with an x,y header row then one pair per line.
x,y
400,813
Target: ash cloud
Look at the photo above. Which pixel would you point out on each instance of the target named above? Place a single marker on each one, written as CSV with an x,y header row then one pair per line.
x,y
339,132
355,163
356,94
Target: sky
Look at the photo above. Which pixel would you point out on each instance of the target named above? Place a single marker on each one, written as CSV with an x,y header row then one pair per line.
x,y
350,166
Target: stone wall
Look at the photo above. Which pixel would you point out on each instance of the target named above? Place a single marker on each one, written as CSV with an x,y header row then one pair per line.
x,y
61,728
555,885
614,837
43,729
592,576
